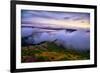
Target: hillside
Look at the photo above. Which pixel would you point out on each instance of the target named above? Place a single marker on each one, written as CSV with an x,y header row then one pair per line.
x,y
49,51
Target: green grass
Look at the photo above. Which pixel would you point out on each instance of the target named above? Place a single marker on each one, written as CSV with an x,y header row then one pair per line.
x,y
49,51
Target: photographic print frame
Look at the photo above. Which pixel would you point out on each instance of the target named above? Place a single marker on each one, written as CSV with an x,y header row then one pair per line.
x,y
16,8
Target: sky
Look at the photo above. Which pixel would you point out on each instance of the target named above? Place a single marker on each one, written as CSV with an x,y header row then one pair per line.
x,y
53,19
79,39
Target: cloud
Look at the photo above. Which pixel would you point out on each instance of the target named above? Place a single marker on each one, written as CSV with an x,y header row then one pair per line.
x,y
53,14
79,40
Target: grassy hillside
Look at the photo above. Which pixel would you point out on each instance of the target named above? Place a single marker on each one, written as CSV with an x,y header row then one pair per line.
x,y
49,51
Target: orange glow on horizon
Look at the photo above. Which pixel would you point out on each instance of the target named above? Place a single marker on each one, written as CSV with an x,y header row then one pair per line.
x,y
63,23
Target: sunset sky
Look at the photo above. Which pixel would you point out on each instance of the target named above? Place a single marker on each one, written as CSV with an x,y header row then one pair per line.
x,y
52,19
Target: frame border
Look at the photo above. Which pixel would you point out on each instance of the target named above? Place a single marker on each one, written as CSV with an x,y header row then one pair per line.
x,y
13,36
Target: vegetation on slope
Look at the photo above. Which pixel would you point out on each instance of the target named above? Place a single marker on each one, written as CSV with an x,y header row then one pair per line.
x,y
49,51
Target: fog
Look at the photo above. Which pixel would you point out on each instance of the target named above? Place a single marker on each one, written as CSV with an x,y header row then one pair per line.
x,y
79,40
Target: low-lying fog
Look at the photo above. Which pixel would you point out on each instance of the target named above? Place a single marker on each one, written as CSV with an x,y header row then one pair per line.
x,y
79,39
